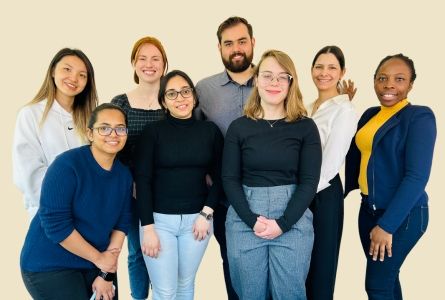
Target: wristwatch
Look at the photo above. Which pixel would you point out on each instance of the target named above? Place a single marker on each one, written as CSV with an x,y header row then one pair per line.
x,y
208,217
107,276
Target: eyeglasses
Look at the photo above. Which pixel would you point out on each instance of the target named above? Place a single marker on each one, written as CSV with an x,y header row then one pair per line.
x,y
173,94
267,77
106,131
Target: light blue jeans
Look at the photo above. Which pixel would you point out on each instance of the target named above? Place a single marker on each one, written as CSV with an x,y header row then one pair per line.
x,y
173,272
278,267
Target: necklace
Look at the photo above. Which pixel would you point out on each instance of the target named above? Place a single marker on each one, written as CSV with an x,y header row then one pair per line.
x,y
271,124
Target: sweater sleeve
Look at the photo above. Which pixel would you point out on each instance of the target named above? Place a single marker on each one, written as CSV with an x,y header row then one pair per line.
x,y
336,146
143,177
215,190
307,181
124,221
28,159
417,167
58,190
232,177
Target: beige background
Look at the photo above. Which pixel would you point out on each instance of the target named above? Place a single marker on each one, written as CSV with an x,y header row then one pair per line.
x,y
33,31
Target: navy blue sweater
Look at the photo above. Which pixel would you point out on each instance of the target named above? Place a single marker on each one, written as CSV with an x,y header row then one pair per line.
x,y
400,163
76,194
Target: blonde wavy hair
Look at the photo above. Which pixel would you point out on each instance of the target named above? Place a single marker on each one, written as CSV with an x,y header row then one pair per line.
x,y
293,104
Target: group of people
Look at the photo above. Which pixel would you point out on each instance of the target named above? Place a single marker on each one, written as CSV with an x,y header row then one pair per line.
x,y
239,156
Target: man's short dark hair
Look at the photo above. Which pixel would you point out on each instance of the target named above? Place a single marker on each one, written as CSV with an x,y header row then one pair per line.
x,y
230,22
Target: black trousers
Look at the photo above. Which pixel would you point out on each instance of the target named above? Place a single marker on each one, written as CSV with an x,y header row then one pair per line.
x,y
219,230
67,284
328,210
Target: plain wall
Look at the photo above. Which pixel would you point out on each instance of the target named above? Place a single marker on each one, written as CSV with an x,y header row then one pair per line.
x,y
33,31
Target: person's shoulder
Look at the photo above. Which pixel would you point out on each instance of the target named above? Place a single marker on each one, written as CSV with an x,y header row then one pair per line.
x,y
209,125
120,100
33,109
210,81
419,108
70,158
343,102
122,169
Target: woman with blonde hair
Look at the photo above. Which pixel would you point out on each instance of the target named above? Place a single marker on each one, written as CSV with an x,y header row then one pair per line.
x,y
271,168
149,62
53,122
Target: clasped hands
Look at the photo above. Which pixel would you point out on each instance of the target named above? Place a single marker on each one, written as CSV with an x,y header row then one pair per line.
x,y
107,262
266,228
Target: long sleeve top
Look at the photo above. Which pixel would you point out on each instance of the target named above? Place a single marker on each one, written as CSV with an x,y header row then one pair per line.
x,y
77,194
258,155
173,157
399,165
137,120
336,121
37,144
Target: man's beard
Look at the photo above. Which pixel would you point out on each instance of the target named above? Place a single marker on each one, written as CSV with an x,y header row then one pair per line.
x,y
239,66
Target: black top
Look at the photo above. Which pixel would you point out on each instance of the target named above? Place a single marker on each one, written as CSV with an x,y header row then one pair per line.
x,y
258,155
172,159
137,119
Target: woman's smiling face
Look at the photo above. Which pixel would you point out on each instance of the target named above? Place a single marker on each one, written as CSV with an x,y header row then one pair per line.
x,y
392,82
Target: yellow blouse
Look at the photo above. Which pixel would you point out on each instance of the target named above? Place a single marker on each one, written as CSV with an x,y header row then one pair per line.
x,y
365,137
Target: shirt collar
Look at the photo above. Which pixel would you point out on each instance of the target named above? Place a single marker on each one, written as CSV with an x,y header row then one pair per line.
x,y
225,78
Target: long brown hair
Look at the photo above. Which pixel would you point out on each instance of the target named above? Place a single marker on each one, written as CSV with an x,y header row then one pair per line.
x,y
293,104
84,102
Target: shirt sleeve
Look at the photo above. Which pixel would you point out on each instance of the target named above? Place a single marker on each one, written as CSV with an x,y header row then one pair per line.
x,y
28,159
58,190
215,190
124,221
337,145
231,177
418,159
143,177
307,179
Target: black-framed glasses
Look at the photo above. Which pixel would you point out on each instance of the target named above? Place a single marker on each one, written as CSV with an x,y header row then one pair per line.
x,y
106,131
172,94
282,78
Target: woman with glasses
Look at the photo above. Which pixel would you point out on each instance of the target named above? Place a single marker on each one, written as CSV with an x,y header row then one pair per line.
x,y
72,246
149,62
271,168
336,121
53,122
390,162
175,204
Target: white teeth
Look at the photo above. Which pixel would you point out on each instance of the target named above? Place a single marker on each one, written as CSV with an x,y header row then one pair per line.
x,y
70,85
113,143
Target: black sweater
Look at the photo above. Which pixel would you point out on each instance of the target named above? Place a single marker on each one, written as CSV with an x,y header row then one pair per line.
x,y
172,159
258,155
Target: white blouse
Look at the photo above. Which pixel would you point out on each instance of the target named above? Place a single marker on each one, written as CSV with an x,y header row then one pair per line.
x,y
336,120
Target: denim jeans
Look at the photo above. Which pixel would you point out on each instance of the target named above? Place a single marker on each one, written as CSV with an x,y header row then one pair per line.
x,y
173,272
259,267
69,284
382,278
137,271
